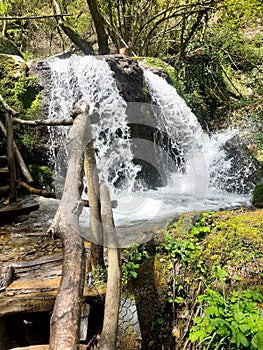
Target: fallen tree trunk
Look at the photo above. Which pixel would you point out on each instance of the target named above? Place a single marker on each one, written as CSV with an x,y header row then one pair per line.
x,y
65,320
108,337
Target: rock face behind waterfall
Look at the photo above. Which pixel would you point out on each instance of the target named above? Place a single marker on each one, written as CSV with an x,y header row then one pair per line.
x,y
129,78
240,158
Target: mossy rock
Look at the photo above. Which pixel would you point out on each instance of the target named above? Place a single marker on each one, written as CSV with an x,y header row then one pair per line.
x,y
200,247
257,198
18,88
7,46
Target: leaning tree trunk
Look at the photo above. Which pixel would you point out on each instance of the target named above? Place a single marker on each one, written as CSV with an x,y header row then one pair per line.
x,y
92,178
99,26
108,338
65,320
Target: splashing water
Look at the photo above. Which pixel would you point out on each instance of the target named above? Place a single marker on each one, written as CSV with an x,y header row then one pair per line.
x,y
191,186
90,80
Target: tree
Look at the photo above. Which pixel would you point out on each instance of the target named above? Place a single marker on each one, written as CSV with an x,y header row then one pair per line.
x,y
100,27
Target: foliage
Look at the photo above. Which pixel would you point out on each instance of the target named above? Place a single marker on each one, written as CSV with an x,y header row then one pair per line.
x,y
42,175
257,194
222,254
232,321
135,255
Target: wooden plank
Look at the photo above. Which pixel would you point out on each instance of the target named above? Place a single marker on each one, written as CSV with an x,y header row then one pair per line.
x,y
21,207
4,171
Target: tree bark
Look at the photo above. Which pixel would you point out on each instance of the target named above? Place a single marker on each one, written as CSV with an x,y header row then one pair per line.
x,y
50,122
82,44
92,178
18,156
65,320
11,158
37,191
23,18
99,26
108,338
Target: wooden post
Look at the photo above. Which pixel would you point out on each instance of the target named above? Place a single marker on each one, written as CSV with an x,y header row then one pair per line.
x,y
65,320
92,178
11,157
108,338
19,158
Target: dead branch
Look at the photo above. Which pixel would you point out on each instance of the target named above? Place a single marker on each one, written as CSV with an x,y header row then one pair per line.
x,y
92,178
65,320
22,18
37,191
50,122
7,107
108,336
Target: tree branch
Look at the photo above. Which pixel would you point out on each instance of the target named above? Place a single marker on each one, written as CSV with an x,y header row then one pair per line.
x,y
50,122
22,18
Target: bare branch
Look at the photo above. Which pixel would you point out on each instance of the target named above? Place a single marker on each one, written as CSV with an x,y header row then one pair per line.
x,y
7,107
51,122
22,18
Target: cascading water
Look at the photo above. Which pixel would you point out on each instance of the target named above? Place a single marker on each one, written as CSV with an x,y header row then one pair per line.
x,y
192,184
90,80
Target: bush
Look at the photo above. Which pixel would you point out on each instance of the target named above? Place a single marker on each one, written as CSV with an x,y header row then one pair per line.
x,y
257,197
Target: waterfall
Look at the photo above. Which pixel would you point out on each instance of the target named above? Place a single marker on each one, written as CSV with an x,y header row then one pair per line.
x,y
195,167
205,157
90,80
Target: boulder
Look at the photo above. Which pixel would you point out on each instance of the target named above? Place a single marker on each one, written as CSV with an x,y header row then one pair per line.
x,y
7,46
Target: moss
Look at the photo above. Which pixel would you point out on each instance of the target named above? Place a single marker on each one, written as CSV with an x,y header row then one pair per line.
x,y
20,90
43,176
181,268
159,64
257,198
26,92
7,46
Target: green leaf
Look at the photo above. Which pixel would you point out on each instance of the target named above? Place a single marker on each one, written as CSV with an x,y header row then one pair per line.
x,y
257,340
134,274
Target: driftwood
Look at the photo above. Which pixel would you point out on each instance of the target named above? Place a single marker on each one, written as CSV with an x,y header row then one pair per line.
x,y
19,158
37,191
108,338
65,320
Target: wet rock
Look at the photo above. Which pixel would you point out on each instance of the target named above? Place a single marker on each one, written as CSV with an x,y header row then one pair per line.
x,y
129,78
241,161
7,46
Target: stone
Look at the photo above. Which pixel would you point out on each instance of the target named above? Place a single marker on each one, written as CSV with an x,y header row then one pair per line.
x,y
7,46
